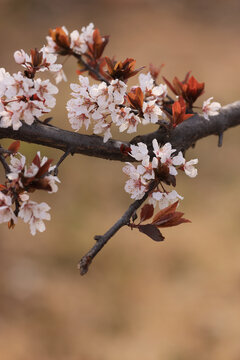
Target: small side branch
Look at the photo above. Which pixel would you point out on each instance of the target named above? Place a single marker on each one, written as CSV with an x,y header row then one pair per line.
x,y
62,158
86,260
5,164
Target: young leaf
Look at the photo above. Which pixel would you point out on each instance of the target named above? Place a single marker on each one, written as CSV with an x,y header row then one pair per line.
x,y
44,169
146,212
152,231
14,147
168,210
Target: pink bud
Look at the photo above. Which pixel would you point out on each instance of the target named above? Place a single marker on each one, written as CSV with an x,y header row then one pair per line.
x,y
20,57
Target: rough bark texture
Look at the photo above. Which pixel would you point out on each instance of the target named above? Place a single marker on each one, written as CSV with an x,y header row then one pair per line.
x,y
181,138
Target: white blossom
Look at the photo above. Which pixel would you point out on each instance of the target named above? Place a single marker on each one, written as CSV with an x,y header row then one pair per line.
x,y
210,109
139,151
130,123
103,127
146,169
31,170
146,82
117,89
163,152
151,112
150,90
59,76
189,168
160,91
168,199
34,214
20,56
79,41
16,165
45,90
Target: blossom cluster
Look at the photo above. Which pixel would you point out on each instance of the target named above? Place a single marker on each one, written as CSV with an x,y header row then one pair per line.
x,y
163,167
22,180
24,99
77,42
107,104
40,60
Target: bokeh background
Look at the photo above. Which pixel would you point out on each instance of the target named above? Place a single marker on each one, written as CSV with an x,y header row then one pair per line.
x,y
177,300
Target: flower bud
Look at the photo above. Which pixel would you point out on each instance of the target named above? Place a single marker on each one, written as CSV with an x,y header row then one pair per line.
x,y
20,57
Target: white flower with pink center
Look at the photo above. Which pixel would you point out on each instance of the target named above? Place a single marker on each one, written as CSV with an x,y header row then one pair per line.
x,y
171,162
102,126
79,40
17,163
18,85
168,199
210,109
87,33
146,170
45,91
163,152
139,151
151,112
130,123
34,214
117,90
146,83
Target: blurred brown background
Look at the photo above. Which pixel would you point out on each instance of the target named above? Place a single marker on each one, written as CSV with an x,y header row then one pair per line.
x,y
177,300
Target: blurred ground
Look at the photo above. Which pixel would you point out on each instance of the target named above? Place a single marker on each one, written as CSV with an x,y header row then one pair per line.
x,y
178,300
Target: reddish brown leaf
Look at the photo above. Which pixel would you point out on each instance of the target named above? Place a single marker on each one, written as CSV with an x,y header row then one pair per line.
x,y
168,210
40,184
44,169
176,219
135,98
11,224
36,161
36,57
14,147
62,40
152,231
190,89
164,219
146,212
179,112
170,85
121,70
154,71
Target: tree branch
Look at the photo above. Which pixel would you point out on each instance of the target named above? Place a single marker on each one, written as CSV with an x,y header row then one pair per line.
x,y
86,260
197,127
181,138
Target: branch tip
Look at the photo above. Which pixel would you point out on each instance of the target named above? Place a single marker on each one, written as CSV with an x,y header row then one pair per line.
x,y
83,264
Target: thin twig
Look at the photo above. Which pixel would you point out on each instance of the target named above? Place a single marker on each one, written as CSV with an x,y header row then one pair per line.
x,y
62,158
86,260
91,69
5,164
